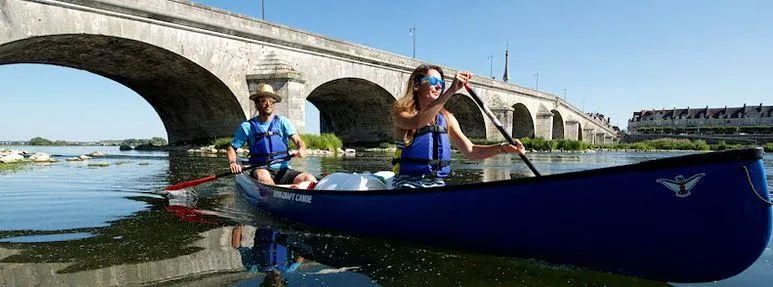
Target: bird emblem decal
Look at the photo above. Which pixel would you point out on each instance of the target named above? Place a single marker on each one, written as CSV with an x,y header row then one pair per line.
x,y
680,185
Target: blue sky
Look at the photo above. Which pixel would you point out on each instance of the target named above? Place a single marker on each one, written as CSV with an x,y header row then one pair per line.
x,y
612,57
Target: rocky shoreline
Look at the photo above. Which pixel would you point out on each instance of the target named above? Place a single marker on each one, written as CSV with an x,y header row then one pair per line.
x,y
242,151
20,156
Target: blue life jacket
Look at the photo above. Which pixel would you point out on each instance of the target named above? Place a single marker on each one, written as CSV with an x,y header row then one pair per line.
x,y
270,255
428,154
268,145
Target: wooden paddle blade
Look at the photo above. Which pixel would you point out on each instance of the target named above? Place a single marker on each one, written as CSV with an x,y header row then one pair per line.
x,y
191,183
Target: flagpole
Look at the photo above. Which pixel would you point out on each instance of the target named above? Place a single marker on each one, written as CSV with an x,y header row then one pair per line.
x,y
412,31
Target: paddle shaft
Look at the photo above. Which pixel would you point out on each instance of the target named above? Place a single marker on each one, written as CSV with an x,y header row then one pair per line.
x,y
203,180
195,182
501,129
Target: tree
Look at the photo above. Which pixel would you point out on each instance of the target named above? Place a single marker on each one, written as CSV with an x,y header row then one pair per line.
x,y
40,141
158,141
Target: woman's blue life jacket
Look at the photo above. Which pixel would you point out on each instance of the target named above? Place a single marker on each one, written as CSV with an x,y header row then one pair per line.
x,y
268,146
428,154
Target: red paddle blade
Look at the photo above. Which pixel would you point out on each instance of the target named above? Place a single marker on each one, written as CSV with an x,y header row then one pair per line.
x,y
191,183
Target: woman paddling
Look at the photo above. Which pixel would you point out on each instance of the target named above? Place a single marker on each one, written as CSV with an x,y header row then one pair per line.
x,y
424,131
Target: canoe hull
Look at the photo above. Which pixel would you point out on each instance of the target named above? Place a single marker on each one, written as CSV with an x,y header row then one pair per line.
x,y
622,219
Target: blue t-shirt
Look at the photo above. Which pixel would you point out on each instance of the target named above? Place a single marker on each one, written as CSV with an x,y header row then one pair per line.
x,y
244,133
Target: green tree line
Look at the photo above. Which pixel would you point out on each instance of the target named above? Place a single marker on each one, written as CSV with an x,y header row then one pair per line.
x,y
41,141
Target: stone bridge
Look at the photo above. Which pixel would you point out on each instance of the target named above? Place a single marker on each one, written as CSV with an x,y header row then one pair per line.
x,y
195,65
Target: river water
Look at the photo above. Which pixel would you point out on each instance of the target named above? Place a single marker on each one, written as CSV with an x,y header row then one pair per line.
x,y
77,224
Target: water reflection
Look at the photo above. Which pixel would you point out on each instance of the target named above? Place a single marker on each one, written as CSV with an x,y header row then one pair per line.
x,y
106,228
265,250
398,264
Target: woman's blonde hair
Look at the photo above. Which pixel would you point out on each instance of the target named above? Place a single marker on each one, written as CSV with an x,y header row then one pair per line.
x,y
409,102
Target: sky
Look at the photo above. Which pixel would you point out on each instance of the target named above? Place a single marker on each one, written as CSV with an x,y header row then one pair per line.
x,y
613,57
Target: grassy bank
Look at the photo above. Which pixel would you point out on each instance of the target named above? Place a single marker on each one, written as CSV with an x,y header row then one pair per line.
x,y
11,167
539,144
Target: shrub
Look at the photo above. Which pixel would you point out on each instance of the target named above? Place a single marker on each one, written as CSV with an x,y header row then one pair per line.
x,y
322,142
157,141
570,145
722,145
11,167
768,147
221,143
640,146
40,141
701,145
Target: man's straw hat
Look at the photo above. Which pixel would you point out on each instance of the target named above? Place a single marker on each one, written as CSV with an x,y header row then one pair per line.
x,y
265,90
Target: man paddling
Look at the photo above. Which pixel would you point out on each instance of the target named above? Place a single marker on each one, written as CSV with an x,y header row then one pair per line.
x,y
267,136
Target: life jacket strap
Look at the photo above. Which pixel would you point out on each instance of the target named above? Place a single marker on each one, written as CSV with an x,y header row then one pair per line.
x,y
266,134
435,163
433,129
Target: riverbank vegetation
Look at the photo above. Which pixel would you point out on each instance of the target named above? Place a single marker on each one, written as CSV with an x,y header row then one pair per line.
x,y
41,141
539,144
11,167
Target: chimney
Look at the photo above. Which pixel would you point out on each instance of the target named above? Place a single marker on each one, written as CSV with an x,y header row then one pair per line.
x,y
505,77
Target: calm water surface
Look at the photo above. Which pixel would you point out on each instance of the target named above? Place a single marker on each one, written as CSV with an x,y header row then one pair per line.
x,y
71,224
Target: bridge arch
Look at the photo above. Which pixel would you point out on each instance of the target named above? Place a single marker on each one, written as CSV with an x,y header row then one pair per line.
x,y
468,115
354,109
523,122
193,104
558,125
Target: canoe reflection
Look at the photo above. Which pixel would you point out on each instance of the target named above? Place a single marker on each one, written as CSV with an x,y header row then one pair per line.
x,y
295,258
265,250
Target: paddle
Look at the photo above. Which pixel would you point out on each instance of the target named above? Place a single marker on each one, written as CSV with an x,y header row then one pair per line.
x,y
195,182
496,122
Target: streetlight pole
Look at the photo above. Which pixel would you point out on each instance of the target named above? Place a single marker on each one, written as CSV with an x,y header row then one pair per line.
x,y
536,86
263,9
491,65
564,90
412,31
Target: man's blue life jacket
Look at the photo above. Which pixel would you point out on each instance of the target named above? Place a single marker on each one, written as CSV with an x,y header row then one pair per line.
x,y
270,255
268,145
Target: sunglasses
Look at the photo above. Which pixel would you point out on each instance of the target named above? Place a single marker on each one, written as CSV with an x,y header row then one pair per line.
x,y
433,81
264,101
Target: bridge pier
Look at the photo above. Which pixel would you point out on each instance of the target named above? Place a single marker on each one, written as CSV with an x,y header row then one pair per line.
x,y
600,139
505,116
543,127
288,83
589,135
572,130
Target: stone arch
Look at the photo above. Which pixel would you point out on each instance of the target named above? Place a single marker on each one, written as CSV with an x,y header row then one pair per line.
x,y
468,115
354,109
193,104
558,125
579,131
523,123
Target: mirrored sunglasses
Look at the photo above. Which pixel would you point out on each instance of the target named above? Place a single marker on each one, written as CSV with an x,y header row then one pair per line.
x,y
433,81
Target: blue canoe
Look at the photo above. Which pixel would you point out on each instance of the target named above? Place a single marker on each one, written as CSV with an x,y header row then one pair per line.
x,y
693,218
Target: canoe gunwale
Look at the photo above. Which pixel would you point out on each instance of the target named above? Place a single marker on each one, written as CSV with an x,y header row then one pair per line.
x,y
750,154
